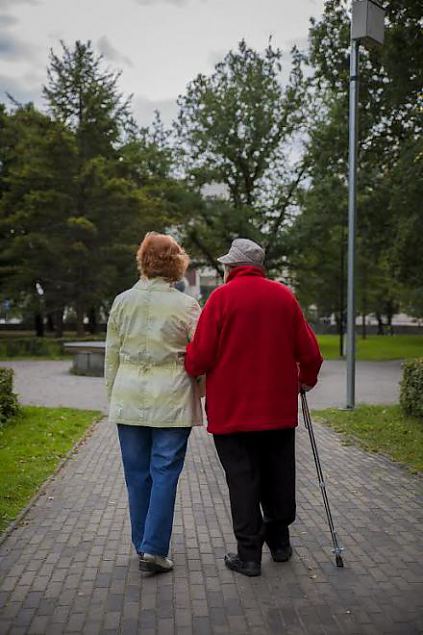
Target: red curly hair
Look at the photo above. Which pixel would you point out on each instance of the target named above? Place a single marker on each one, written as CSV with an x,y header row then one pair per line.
x,y
160,256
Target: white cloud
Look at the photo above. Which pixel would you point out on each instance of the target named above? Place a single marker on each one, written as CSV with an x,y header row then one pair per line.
x,y
301,43
144,109
14,49
161,44
110,53
149,3
217,56
13,3
22,89
7,20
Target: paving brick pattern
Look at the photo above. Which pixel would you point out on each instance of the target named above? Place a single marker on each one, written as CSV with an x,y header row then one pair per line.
x,y
69,567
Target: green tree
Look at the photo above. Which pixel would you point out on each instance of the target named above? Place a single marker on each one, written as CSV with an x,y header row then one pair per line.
x,y
37,192
84,97
119,174
317,246
406,208
234,129
80,187
389,121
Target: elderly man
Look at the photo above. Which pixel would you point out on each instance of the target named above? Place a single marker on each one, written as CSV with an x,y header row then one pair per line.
x,y
256,350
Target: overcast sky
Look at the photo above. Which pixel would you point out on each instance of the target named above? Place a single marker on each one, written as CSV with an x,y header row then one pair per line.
x,y
160,45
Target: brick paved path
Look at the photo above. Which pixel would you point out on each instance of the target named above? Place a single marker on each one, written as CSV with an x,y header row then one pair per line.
x,y
69,568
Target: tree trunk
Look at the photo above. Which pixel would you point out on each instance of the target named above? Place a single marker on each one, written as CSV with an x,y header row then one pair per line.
x,y
364,311
389,324
39,324
80,314
341,299
92,321
50,322
380,330
58,320
389,315
340,331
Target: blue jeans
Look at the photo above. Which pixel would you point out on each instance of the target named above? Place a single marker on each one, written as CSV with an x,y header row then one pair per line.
x,y
152,459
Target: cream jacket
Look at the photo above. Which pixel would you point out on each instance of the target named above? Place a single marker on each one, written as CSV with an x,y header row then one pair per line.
x,y
148,329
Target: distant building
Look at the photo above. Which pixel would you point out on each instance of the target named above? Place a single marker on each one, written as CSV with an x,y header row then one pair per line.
x,y
199,283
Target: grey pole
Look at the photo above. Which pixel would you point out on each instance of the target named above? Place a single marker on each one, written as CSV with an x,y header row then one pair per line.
x,y
352,222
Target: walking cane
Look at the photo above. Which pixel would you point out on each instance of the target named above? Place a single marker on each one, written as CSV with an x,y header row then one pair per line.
x,y
337,549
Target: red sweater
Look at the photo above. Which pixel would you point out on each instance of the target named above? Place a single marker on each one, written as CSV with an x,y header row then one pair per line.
x,y
254,346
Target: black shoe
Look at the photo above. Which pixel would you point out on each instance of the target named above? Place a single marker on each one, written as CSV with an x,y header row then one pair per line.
x,y
282,554
250,568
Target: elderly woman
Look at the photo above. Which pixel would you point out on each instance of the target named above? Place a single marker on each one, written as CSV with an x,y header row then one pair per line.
x,y
153,401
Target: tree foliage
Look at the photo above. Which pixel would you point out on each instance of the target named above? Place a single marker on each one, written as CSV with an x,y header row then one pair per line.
x,y
390,124
85,97
79,188
80,184
235,128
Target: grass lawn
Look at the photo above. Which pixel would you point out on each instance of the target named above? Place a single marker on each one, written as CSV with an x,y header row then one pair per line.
x,y
382,429
24,346
376,347
31,446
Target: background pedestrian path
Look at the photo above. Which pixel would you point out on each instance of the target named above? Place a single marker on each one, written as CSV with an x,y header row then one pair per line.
x,y
49,383
69,567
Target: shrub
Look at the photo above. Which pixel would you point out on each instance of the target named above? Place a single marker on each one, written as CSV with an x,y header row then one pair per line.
x,y
52,348
30,346
8,400
411,394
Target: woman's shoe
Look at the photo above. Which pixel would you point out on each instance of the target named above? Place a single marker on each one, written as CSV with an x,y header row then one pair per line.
x,y
155,564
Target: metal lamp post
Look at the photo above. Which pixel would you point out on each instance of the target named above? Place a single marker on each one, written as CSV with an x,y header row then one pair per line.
x,y
367,27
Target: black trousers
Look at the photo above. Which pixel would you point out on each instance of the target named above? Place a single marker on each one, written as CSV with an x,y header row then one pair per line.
x,y
260,472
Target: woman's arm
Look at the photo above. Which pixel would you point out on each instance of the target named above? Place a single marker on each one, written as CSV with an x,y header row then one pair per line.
x,y
201,352
193,318
111,362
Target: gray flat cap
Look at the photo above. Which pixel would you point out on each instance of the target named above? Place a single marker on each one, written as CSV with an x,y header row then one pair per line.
x,y
244,252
